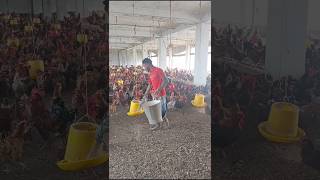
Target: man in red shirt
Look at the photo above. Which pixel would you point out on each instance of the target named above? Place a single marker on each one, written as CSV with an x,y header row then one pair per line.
x,y
157,83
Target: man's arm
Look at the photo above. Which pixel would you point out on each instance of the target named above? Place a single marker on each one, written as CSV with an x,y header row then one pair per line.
x,y
147,91
164,83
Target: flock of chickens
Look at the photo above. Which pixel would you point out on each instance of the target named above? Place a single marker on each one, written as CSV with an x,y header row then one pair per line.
x,y
237,95
129,83
43,105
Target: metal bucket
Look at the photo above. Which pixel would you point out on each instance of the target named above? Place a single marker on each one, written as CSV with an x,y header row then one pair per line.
x,y
153,111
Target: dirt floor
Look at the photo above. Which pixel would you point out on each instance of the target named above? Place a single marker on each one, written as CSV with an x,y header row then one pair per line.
x,y
254,158
181,151
39,164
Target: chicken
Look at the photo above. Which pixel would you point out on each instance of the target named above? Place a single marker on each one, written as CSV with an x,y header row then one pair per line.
x,y
40,114
57,92
180,102
228,129
97,106
115,102
12,146
61,116
78,102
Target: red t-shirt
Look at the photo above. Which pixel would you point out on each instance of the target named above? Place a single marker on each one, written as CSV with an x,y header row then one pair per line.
x,y
155,79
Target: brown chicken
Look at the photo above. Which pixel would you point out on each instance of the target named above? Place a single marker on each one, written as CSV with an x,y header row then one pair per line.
x,y
12,145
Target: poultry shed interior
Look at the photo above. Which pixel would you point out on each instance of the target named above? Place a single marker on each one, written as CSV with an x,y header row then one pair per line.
x,y
123,89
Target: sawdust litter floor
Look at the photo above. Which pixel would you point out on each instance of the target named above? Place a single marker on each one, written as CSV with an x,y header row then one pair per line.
x,y
181,151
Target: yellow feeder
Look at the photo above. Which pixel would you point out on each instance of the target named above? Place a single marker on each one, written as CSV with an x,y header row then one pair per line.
x,y
198,101
6,17
28,28
282,124
57,26
82,38
13,42
81,139
36,20
35,67
13,22
135,109
120,82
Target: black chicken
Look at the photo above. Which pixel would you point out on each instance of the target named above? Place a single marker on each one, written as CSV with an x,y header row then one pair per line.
x,y
61,115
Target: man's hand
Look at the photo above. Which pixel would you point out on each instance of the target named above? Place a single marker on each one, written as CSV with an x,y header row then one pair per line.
x,y
157,92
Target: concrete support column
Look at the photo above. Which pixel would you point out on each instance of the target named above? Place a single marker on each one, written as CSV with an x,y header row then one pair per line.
x,y
126,60
135,58
170,57
144,51
122,58
47,8
286,35
201,54
61,9
82,7
162,53
188,56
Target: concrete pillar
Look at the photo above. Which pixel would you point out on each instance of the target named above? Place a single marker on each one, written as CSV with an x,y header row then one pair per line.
x,y
126,60
61,9
144,51
170,58
47,7
201,54
122,57
82,7
37,6
247,12
162,53
286,35
135,58
188,57
3,6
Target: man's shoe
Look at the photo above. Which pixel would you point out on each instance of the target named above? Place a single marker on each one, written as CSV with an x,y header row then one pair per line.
x,y
156,126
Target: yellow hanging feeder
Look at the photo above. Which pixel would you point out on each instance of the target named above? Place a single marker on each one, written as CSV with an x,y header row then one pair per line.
x,y
14,21
28,28
82,38
36,20
120,82
57,26
13,42
35,67
81,139
6,17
